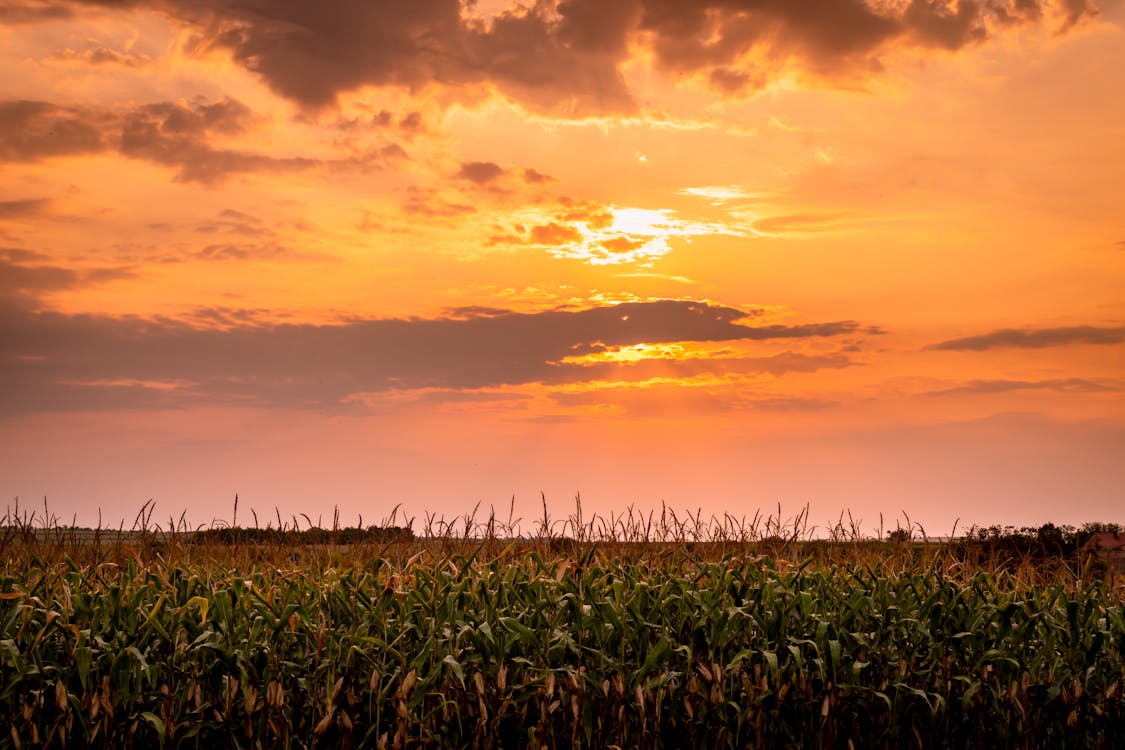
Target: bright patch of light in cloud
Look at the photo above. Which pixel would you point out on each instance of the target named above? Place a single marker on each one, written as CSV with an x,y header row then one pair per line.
x,y
637,235
647,351
718,194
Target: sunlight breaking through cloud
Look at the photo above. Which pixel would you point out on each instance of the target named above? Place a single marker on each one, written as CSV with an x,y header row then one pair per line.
x,y
636,235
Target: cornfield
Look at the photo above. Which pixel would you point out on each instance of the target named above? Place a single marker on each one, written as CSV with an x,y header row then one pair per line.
x,y
493,644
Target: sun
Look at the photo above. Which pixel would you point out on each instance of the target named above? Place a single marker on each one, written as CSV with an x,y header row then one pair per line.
x,y
644,222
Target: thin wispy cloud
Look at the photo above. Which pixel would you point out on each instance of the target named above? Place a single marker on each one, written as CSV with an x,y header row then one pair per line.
x,y
993,387
1035,338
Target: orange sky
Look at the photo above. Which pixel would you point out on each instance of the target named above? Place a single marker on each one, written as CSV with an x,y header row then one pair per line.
x,y
865,255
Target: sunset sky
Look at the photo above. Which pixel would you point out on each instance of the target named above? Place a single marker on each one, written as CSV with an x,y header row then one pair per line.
x,y
864,255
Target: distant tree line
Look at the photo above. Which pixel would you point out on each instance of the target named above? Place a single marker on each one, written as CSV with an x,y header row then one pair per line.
x,y
296,537
1039,542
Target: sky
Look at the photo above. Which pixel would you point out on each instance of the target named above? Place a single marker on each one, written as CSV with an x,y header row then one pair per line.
x,y
729,256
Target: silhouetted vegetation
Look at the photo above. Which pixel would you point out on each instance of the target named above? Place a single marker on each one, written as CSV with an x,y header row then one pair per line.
x,y
294,537
1040,543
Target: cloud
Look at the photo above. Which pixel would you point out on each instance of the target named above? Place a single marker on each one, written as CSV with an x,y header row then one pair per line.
x,y
611,235
177,136
670,399
32,130
26,275
102,56
33,12
809,222
1075,12
57,361
621,244
565,57
547,58
427,202
698,369
236,222
534,177
785,362
1035,338
718,194
828,33
221,251
744,44
554,234
1061,385
19,208
173,134
480,172
475,311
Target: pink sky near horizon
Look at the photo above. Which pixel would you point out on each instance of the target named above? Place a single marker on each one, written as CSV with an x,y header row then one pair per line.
x,y
858,255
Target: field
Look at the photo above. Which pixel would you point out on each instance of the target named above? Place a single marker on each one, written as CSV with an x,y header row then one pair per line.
x,y
713,635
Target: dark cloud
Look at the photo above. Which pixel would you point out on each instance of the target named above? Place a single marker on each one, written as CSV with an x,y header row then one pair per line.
x,y
564,57
1035,338
311,55
57,361
27,275
567,66
20,208
597,26
172,134
940,24
412,122
17,12
31,130
712,36
226,318
1024,8
177,136
534,177
20,255
480,172
1076,12
732,81
475,311
988,387
833,38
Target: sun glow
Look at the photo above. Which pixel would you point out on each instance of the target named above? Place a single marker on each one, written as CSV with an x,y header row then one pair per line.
x,y
662,351
632,236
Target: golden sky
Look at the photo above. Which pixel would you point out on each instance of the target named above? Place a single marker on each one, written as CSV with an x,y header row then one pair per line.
x,y
865,255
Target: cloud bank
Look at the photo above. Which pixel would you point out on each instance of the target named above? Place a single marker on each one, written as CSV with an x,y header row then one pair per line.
x,y
566,57
173,134
54,361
